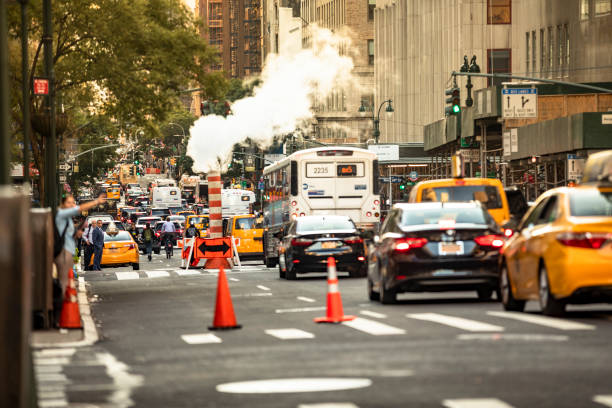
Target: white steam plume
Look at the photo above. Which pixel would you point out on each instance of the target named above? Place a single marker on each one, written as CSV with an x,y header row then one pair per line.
x,y
278,106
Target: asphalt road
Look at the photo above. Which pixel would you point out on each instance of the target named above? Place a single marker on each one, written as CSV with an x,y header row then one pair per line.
x,y
429,350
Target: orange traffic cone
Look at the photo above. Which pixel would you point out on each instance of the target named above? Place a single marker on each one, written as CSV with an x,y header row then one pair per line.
x,y
225,319
70,317
334,302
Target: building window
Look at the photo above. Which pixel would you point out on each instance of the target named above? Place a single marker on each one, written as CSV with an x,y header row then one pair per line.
x,y
527,49
533,51
371,52
560,46
602,7
371,7
542,52
551,50
567,49
584,9
498,62
499,11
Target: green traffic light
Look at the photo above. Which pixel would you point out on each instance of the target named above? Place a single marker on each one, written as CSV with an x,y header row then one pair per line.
x,y
456,108
402,187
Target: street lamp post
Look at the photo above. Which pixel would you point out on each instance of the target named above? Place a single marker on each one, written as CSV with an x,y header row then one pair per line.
x,y
182,130
376,119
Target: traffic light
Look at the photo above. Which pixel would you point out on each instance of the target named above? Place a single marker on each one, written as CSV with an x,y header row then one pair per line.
x,y
453,100
534,159
204,108
402,186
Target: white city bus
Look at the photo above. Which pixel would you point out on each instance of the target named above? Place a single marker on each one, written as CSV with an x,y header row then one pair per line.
x,y
235,201
326,180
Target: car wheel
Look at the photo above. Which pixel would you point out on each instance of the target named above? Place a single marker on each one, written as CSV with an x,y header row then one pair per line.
x,y
290,269
270,262
371,294
387,297
135,266
548,303
507,299
281,265
485,293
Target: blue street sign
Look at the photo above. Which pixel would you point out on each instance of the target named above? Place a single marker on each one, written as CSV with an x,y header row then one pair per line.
x,y
414,176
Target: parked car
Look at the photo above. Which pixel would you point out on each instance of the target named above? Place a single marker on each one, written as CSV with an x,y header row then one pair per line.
x,y
310,240
435,247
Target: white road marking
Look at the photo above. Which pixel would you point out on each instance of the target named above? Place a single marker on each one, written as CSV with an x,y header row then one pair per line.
x,y
329,405
234,280
290,334
51,360
512,337
553,322
300,309
262,287
53,377
123,381
259,294
373,327
373,314
291,385
603,400
187,272
475,403
306,299
202,338
46,395
127,275
158,274
458,322
63,352
48,369
53,403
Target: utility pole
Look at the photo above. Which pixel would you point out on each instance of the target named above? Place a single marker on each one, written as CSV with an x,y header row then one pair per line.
x,y
25,89
51,184
5,147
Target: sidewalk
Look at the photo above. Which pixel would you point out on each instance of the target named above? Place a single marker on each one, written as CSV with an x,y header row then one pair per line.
x,y
85,336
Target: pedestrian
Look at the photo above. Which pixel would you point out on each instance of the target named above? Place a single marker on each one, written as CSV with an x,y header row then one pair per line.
x,y
98,244
147,236
88,252
65,227
192,231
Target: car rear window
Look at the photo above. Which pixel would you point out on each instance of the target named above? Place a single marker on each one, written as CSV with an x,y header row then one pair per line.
x,y
160,212
591,203
435,215
324,224
487,195
121,236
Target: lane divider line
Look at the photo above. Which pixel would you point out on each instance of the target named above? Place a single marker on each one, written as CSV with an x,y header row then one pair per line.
x,y
373,327
289,334
262,287
201,338
300,309
306,299
373,314
457,322
475,403
603,400
329,405
234,280
553,322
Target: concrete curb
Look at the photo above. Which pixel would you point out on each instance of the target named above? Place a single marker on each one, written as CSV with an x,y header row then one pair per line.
x,y
90,333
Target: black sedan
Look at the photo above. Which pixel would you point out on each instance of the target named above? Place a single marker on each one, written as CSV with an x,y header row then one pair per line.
x,y
309,241
435,247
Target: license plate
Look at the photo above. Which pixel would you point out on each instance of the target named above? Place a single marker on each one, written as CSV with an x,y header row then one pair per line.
x,y
328,245
451,248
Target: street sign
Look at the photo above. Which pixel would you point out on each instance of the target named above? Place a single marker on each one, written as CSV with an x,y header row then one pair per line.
x,y
519,103
470,155
62,178
213,248
397,179
575,167
385,152
261,185
64,167
506,143
414,176
384,179
41,86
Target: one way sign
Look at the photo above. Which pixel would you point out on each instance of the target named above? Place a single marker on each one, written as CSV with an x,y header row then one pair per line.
x,y
213,247
519,103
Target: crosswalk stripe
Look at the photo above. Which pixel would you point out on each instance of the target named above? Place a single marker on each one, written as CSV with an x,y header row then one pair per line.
x,y
458,322
329,405
234,280
201,338
553,322
373,314
300,309
51,361
187,272
54,403
290,334
373,327
603,400
157,274
262,287
306,299
63,352
127,275
475,403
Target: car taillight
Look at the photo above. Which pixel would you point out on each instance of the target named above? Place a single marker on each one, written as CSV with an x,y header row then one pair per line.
x,y
376,202
130,246
368,214
300,242
294,203
353,240
583,239
361,258
157,234
494,241
406,244
508,232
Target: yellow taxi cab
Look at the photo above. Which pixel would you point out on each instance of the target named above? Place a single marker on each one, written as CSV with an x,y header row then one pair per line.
x,y
247,231
119,249
186,213
201,222
113,193
490,192
561,252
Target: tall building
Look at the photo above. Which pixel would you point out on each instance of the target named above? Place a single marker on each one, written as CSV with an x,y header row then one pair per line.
x,y
420,42
282,27
337,117
234,27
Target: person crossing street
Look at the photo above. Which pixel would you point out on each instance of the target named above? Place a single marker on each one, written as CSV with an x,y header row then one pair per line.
x,y
98,243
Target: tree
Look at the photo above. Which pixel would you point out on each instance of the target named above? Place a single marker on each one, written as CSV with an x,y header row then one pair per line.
x,y
127,60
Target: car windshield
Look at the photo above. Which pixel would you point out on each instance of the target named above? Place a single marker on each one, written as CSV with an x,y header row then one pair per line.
x,y
313,224
591,203
121,236
162,211
199,220
424,216
246,223
487,195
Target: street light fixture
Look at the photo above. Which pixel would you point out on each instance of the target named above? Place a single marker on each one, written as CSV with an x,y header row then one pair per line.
x,y
376,119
